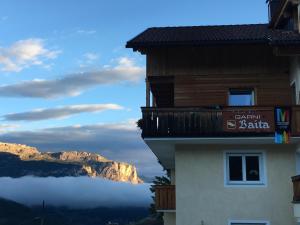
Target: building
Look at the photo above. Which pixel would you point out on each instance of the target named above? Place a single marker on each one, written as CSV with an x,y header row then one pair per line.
x,y
222,117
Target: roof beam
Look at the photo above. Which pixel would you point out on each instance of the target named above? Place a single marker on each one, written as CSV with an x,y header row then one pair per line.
x,y
287,51
281,12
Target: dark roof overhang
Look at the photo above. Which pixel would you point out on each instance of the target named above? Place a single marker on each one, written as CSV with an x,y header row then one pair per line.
x,y
212,36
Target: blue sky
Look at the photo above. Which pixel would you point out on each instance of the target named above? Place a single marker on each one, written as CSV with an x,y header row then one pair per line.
x,y
55,41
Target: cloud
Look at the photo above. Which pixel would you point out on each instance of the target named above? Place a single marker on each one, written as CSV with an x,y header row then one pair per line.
x,y
120,142
91,56
75,84
88,59
75,192
86,32
25,53
59,112
7,127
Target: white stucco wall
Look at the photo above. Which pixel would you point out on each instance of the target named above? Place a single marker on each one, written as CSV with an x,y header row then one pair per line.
x,y
203,199
169,218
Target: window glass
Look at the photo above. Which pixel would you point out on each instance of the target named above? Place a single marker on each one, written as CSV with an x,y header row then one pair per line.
x,y
235,168
241,97
252,168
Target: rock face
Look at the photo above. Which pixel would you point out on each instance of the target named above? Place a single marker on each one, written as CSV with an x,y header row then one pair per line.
x,y
20,160
74,156
23,151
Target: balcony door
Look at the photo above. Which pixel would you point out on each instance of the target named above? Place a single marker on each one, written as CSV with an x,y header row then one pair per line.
x,y
162,88
241,97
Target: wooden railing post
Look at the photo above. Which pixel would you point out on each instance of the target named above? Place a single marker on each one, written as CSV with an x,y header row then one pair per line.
x,y
147,93
153,101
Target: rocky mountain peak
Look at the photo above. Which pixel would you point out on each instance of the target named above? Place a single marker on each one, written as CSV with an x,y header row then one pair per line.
x,y
29,161
75,156
23,151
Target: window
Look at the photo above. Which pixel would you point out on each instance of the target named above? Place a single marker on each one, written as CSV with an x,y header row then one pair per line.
x,y
241,97
244,168
248,222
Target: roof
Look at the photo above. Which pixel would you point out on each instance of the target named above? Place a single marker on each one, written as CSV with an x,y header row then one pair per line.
x,y
213,35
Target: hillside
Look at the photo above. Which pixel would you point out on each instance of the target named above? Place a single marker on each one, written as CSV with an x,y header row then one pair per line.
x,y
12,213
20,160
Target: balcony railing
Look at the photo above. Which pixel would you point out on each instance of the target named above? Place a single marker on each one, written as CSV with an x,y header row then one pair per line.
x,y
217,122
165,197
296,187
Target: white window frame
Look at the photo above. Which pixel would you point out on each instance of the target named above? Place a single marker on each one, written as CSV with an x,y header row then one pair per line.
x,y
244,183
253,222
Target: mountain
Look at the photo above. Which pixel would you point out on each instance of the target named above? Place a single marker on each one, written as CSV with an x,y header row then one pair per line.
x,y
18,160
12,213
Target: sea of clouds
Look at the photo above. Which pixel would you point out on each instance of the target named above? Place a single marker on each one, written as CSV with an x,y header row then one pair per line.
x,y
74,192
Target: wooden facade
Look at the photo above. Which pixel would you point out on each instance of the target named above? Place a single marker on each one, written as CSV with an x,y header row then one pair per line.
x,y
165,197
202,76
210,90
209,60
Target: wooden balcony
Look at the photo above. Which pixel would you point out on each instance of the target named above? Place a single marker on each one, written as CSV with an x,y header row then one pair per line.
x,y
296,187
213,122
165,197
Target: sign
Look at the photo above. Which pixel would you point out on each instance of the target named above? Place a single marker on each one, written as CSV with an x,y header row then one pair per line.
x,y
282,125
248,121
